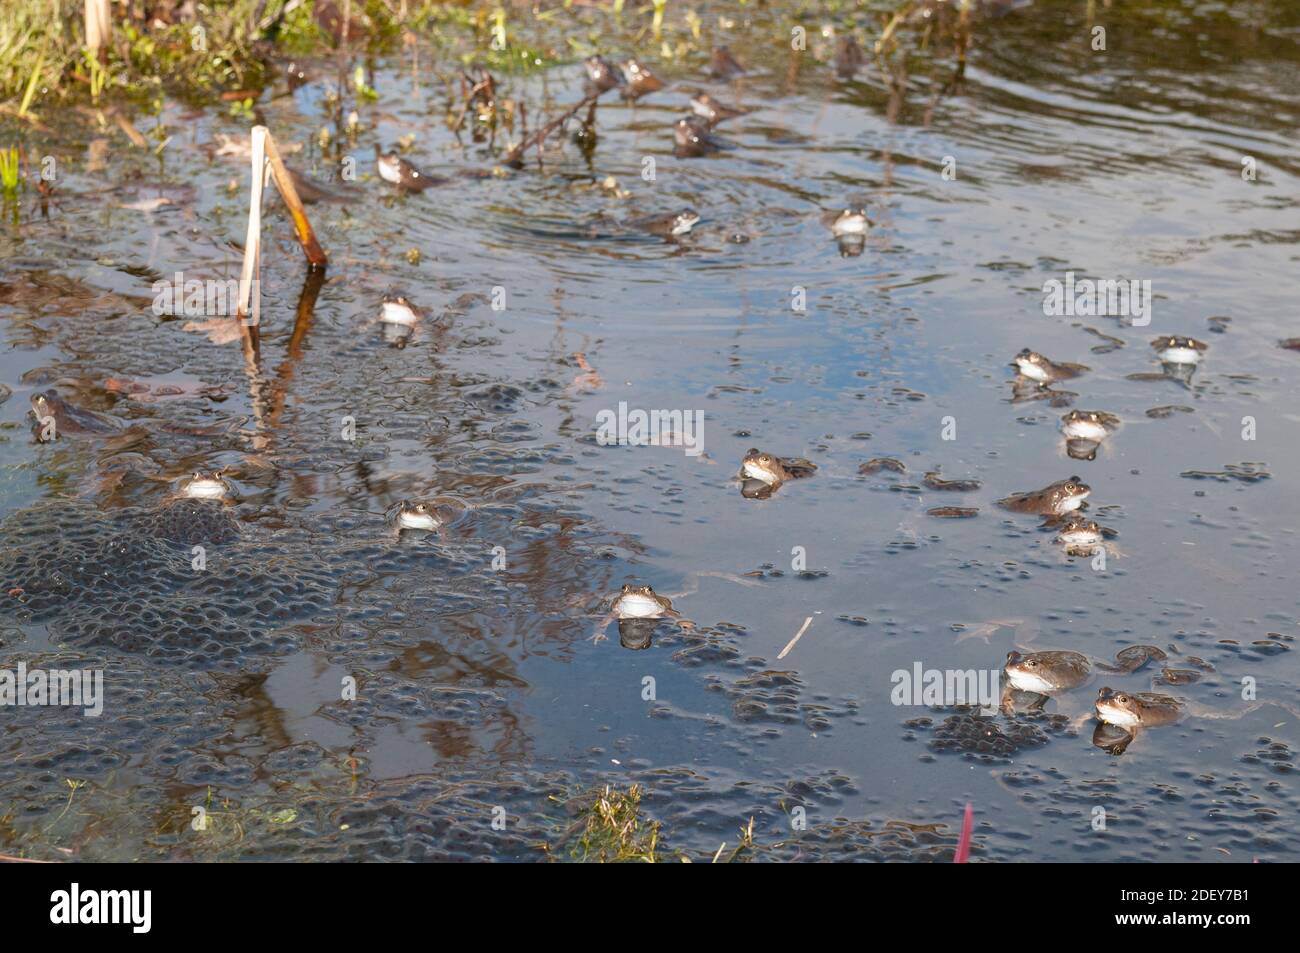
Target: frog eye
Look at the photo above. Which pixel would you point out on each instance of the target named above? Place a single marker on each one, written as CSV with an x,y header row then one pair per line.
x,y
1032,663
627,587
1122,699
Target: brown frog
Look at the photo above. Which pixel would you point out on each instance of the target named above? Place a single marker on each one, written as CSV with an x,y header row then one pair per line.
x,y
1138,709
714,111
206,486
640,81
1175,349
722,65
601,75
692,139
1044,674
770,469
55,417
1055,499
393,168
637,609
669,226
1035,367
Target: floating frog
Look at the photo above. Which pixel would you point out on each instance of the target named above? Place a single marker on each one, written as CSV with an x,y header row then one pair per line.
x,y
763,473
669,226
1035,367
1055,499
640,81
713,111
393,168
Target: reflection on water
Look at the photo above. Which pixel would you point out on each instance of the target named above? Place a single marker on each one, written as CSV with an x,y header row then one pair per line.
x,y
335,688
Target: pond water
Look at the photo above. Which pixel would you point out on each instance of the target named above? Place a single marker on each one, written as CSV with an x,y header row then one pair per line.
x,y
479,686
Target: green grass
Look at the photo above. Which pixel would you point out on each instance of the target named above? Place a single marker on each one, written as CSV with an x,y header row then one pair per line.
x,y
614,832
43,62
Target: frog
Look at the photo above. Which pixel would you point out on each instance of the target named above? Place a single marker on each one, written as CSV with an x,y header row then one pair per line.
x,y
55,417
1044,674
602,76
1054,500
763,473
714,111
639,80
722,65
693,139
1176,349
206,486
638,609
1035,367
670,225
393,168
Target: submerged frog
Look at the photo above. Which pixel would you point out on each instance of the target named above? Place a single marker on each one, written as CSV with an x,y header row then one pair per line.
x,y
849,221
849,226
1173,349
400,318
693,139
206,486
638,609
414,515
714,111
1035,367
1091,425
1081,536
397,309
393,168
640,81
670,225
1055,499
641,602
1084,431
55,417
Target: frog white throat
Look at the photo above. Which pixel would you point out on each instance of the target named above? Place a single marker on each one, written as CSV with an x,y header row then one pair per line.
x,y
634,605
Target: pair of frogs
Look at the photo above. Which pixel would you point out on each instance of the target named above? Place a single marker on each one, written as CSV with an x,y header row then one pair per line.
x,y
1084,430
1059,504
1120,715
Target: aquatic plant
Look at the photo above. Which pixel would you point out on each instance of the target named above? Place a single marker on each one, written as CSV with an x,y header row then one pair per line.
x,y
9,169
613,831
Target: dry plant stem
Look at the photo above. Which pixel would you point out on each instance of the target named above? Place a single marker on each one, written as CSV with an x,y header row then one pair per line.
x,y
797,636
250,298
516,152
316,257
99,26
